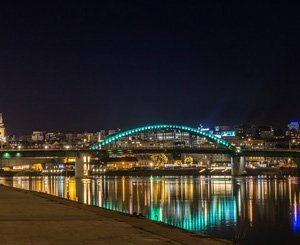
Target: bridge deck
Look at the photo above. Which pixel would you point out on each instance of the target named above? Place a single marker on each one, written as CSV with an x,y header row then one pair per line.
x,y
76,153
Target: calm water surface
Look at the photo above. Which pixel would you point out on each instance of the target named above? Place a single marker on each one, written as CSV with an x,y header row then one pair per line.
x,y
248,209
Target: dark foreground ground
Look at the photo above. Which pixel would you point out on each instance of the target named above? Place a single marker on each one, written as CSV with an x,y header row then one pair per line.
x,y
36,218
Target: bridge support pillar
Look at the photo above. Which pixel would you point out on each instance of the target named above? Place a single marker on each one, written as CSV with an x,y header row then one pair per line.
x,y
238,165
82,166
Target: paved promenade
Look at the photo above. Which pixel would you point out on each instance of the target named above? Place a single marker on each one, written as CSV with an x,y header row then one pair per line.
x,y
37,218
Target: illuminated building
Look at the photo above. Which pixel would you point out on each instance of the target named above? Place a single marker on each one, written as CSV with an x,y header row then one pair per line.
x,y
265,132
2,129
293,125
37,136
293,133
246,131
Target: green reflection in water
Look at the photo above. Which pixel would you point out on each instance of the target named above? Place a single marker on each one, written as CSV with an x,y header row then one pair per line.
x,y
221,206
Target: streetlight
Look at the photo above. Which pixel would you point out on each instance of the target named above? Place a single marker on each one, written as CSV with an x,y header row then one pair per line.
x,y
290,143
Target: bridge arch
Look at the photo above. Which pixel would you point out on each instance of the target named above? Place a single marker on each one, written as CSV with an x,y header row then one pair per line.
x,y
114,137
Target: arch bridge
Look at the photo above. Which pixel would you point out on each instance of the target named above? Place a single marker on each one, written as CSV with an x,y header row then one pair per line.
x,y
193,131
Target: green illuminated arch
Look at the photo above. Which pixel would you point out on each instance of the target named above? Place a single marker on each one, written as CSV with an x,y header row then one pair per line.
x,y
209,137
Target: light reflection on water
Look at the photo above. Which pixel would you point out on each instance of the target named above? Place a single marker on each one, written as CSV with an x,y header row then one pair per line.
x,y
248,209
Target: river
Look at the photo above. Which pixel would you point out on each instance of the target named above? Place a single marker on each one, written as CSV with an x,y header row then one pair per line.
x,y
247,209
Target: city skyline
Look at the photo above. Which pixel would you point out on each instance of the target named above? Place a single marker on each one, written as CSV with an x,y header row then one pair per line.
x,y
233,127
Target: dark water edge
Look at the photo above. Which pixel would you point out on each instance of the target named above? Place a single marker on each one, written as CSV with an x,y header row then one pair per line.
x,y
248,210
159,172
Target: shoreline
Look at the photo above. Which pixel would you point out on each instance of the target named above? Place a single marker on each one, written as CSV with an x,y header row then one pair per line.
x,y
161,172
158,231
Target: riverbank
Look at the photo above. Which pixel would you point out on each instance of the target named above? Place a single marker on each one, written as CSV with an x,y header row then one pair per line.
x,y
160,172
36,218
196,172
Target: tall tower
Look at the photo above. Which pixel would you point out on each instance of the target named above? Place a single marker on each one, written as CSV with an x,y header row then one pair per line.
x,y
2,129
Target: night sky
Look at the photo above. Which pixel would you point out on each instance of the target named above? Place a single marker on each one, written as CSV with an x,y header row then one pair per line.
x,y
87,66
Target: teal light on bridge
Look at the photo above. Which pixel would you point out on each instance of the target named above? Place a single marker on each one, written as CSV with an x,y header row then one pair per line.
x,y
115,137
18,154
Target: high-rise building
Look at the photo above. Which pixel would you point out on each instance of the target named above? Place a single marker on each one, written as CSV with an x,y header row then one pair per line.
x,y
293,125
2,128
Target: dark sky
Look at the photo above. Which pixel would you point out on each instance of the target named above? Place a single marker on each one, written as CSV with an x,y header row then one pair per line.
x,y
87,66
